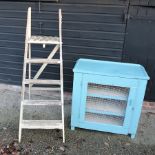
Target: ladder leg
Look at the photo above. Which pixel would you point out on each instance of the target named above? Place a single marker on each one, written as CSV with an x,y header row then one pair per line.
x,y
22,93
62,99
20,121
20,134
63,135
28,34
61,74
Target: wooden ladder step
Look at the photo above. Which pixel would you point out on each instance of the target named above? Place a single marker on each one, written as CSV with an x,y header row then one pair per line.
x,y
44,40
42,124
36,81
45,88
42,102
40,61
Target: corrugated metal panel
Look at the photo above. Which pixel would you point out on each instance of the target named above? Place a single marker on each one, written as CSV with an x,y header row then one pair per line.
x,y
91,29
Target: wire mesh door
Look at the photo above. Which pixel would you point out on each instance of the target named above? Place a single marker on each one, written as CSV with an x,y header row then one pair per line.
x,y
106,105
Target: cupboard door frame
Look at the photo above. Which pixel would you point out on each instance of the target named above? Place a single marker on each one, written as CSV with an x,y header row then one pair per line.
x,y
112,81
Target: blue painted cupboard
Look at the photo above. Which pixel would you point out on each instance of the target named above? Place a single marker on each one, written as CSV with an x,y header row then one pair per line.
x,y
108,96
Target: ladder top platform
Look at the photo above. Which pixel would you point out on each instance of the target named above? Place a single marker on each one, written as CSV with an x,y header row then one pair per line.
x,y
113,69
44,40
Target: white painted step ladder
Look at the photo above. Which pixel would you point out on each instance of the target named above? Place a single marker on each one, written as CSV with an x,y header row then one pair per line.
x,y
44,40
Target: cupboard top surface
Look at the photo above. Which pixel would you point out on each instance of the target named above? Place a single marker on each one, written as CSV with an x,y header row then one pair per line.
x,y
108,68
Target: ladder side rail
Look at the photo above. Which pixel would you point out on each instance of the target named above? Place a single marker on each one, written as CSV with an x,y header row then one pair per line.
x,y
29,36
24,71
28,33
61,71
30,72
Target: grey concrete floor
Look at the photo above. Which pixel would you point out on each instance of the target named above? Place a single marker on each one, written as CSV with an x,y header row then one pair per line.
x,y
80,141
